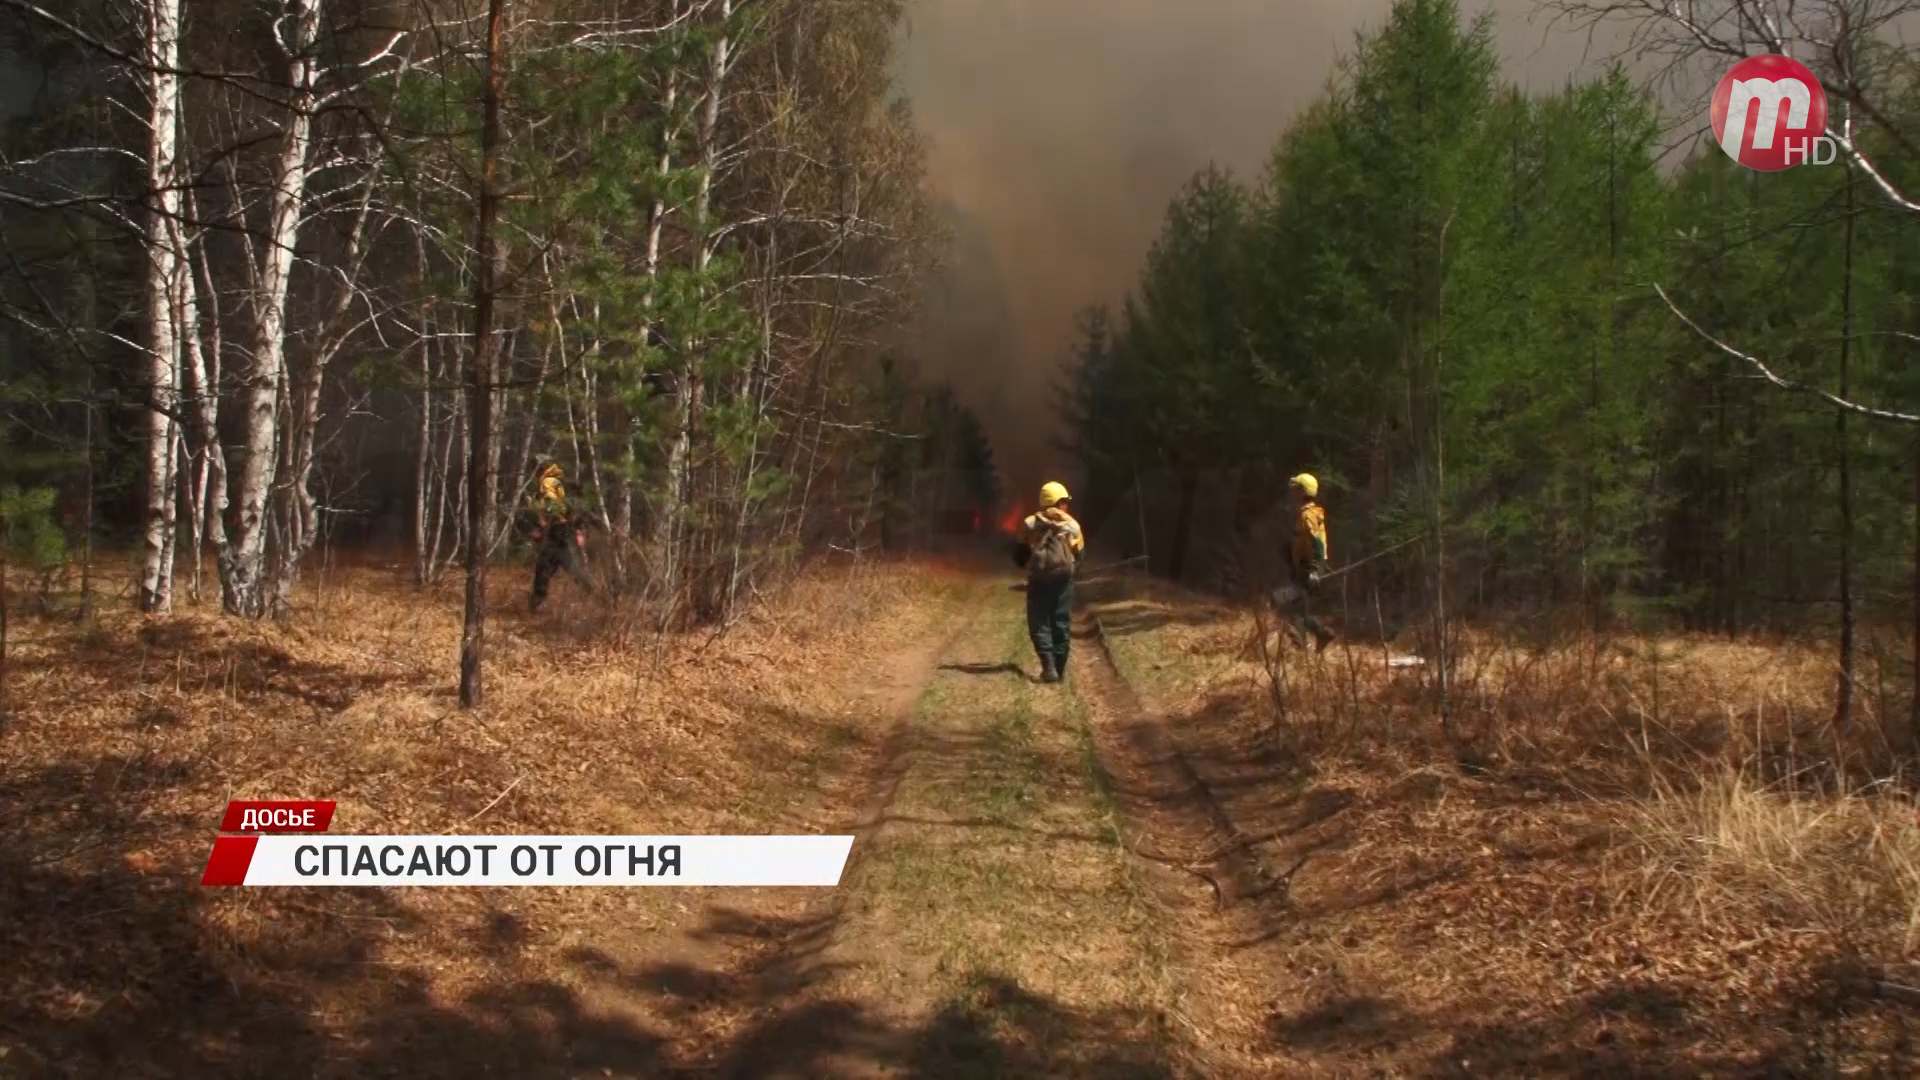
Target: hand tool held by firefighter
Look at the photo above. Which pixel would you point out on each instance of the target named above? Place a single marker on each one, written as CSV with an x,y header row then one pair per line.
x,y
1317,577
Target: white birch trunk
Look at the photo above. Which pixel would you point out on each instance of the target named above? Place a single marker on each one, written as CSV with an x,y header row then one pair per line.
x,y
164,268
461,487
666,521
688,388
303,429
245,568
760,393
203,383
586,463
423,452
426,538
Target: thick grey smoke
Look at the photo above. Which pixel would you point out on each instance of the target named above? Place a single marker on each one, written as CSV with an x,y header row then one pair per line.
x,y
1060,129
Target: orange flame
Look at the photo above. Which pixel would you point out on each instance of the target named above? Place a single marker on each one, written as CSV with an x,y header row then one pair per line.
x,y
1010,521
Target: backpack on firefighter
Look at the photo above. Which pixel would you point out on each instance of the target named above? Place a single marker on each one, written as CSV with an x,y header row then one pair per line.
x,y
1052,558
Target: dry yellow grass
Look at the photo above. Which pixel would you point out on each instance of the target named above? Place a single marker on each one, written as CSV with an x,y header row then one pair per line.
x,y
1737,851
130,734
1633,854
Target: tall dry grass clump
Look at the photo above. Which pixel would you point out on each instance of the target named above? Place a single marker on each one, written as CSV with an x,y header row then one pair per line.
x,y
1621,708
1735,851
1714,767
1620,854
1718,760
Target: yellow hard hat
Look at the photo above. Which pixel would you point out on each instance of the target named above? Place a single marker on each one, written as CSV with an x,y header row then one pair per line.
x,y
552,468
1305,482
1053,492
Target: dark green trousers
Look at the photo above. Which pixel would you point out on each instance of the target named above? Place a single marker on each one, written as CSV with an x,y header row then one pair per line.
x,y
1302,605
1050,618
557,552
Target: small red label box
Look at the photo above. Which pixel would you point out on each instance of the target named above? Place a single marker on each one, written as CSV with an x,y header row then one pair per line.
x,y
278,815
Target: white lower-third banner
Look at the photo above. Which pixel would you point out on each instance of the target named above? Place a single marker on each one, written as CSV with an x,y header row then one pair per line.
x,y
528,860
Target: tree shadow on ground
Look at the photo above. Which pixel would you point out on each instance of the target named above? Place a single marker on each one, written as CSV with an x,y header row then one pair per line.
x,y
1122,619
111,969
1629,1029
1842,1020
982,668
572,617
247,668
111,965
991,1027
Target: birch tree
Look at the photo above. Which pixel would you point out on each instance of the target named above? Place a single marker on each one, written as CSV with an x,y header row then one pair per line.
x,y
244,565
715,208
689,386
166,276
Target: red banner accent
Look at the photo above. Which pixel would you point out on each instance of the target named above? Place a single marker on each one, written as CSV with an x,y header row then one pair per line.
x,y
229,861
278,815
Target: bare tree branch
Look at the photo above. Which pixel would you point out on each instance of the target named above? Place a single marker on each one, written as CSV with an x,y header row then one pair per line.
x,y
1784,384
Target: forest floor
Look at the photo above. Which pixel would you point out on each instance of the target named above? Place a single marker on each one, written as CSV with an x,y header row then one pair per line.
x,y
1144,872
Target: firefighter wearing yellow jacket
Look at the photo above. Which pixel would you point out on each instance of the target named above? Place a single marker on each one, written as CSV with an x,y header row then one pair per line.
x,y
1308,557
556,536
1050,544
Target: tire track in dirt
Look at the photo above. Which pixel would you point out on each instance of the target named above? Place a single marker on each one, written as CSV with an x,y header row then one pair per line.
x,y
893,757
776,954
1212,880
905,685
1040,884
713,975
994,924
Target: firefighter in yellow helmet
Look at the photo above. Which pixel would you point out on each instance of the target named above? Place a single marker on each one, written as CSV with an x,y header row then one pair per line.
x,y
1307,561
556,534
1050,544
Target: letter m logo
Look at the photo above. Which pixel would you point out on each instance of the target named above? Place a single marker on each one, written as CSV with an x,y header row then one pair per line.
x,y
1780,97
1767,94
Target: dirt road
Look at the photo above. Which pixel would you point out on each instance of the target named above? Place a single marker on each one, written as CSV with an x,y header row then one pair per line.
x,y
1038,888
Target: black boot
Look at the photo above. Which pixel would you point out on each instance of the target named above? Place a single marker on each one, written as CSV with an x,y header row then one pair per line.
x,y
1048,673
1060,664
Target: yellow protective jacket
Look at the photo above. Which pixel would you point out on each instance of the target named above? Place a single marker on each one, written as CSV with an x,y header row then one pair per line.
x,y
550,502
1029,527
1310,537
